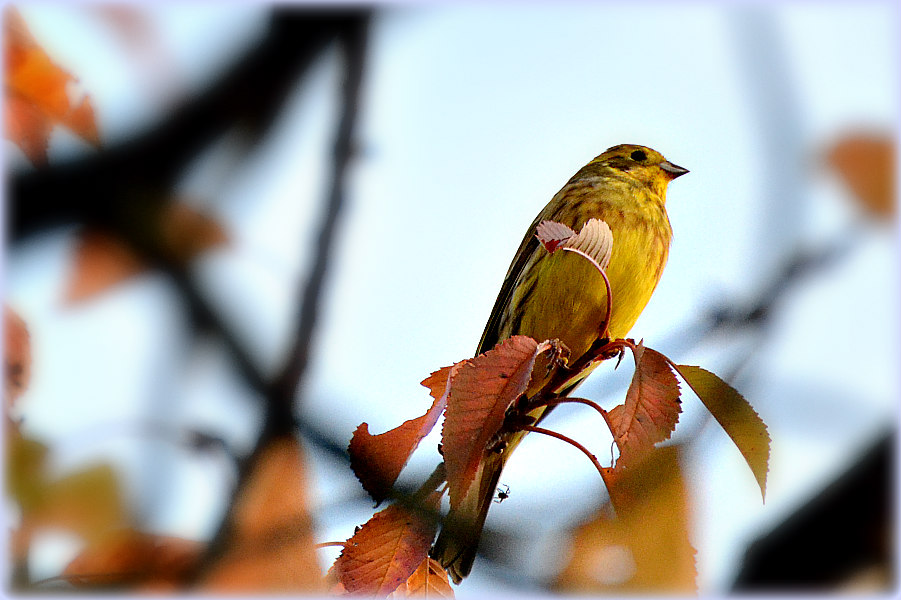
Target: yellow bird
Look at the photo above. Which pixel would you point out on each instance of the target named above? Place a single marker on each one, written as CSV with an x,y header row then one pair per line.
x,y
562,296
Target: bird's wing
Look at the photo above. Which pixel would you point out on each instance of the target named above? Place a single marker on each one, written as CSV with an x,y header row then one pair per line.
x,y
529,246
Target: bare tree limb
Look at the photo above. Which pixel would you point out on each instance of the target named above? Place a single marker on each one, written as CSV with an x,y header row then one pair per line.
x,y
280,421
92,189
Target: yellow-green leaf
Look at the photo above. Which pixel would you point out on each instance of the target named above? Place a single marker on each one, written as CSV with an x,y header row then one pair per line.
x,y
26,463
89,501
735,416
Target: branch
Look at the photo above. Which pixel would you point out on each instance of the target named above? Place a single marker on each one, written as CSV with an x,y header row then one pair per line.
x,y
280,421
353,45
93,189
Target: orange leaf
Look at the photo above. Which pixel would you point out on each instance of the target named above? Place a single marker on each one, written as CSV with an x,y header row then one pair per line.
x,y
385,551
481,390
867,165
17,356
135,559
102,260
735,416
271,548
186,233
437,381
27,127
36,93
30,72
651,409
81,120
377,460
645,547
428,580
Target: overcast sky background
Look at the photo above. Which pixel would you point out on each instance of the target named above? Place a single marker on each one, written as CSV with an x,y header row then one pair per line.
x,y
472,118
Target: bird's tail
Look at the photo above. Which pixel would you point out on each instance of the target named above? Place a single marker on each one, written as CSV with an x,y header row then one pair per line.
x,y
458,541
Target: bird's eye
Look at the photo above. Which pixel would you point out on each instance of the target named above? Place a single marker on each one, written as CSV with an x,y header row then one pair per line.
x,y
638,155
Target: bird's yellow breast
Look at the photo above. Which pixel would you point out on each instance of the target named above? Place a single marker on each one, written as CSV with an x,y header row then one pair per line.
x,y
563,296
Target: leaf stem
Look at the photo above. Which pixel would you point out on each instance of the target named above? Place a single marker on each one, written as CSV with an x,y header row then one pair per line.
x,y
569,400
606,330
606,283
572,442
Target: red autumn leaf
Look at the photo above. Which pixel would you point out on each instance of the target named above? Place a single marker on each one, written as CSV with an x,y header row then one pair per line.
x,y
36,93
385,551
134,559
866,163
271,548
429,580
437,381
102,260
651,409
377,460
17,356
645,547
742,424
594,241
481,390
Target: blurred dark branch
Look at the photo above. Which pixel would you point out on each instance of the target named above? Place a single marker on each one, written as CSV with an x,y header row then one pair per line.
x,y
798,266
92,189
121,187
115,187
279,420
288,383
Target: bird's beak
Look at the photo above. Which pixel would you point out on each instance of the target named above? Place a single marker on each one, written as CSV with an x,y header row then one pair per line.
x,y
672,170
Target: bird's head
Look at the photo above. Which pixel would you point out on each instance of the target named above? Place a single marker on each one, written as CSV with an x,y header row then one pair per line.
x,y
642,163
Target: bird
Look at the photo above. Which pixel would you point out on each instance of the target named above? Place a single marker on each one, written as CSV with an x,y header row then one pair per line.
x,y
562,297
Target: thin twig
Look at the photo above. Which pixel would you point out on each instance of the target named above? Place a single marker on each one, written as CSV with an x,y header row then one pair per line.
x,y
569,400
329,545
569,440
287,384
